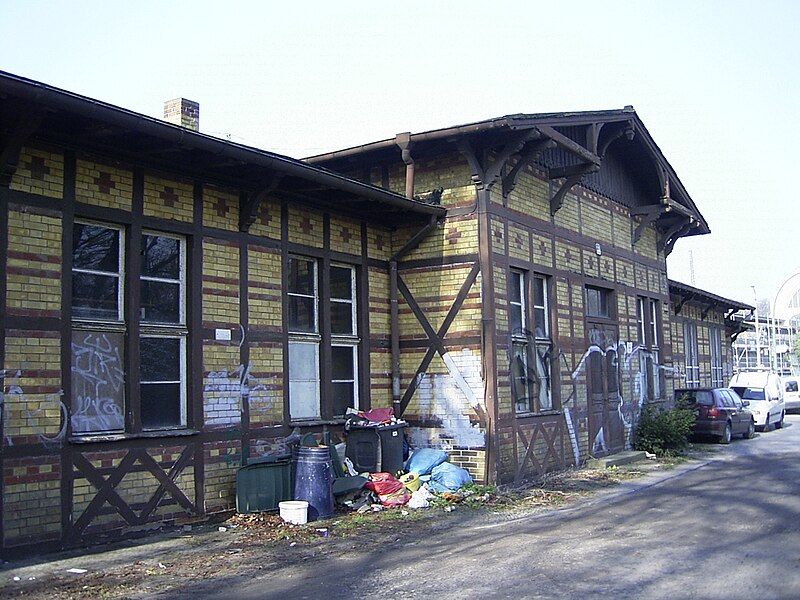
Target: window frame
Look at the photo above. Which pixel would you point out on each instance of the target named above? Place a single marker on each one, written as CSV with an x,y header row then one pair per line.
x,y
529,343
648,327
129,322
324,340
691,357
715,350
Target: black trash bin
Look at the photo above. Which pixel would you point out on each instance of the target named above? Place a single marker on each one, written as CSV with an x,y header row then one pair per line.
x,y
376,449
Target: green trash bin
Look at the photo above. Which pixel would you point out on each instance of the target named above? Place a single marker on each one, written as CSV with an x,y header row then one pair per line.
x,y
263,483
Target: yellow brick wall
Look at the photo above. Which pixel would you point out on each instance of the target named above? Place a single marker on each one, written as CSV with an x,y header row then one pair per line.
x,y
168,199
32,387
103,185
31,500
268,220
305,227
266,383
345,235
220,283
34,263
220,208
264,289
40,172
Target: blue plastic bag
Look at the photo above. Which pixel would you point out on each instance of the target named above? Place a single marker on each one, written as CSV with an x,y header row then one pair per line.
x,y
424,460
447,477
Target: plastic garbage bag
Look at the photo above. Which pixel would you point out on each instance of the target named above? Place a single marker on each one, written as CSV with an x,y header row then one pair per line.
x,y
424,460
390,491
420,498
447,477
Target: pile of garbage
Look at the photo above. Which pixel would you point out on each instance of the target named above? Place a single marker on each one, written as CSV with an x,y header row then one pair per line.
x,y
427,474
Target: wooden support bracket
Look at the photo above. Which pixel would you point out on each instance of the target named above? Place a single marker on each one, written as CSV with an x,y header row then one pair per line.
x,y
557,201
709,307
530,153
650,216
684,300
249,203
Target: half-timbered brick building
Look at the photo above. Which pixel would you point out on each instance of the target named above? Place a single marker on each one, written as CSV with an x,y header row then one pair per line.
x,y
172,304
534,320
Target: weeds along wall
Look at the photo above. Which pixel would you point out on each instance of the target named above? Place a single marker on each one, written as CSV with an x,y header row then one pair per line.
x,y
195,314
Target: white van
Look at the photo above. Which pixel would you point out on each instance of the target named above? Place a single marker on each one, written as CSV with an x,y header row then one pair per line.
x,y
791,392
764,391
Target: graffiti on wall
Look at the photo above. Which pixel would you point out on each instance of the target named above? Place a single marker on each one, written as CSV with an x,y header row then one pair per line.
x,y
226,391
98,381
14,402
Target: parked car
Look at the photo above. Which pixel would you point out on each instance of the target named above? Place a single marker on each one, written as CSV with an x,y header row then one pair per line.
x,y
791,393
764,391
719,412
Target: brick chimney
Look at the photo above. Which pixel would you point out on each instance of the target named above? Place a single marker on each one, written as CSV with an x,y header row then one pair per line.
x,y
183,112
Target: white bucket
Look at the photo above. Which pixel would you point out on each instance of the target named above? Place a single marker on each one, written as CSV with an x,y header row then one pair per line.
x,y
294,511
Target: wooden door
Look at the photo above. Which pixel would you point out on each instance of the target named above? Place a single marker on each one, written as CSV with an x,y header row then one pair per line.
x,y
606,430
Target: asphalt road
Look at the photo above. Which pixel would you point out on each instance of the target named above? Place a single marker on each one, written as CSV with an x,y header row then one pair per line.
x,y
727,529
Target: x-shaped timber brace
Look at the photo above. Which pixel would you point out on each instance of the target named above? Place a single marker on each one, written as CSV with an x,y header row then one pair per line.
x,y
530,455
106,487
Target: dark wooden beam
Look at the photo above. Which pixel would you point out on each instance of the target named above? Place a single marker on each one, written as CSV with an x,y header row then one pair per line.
x,y
709,307
570,170
682,231
664,239
568,144
26,122
622,129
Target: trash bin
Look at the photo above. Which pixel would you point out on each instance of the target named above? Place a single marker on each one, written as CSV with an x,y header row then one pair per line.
x,y
375,449
262,484
314,481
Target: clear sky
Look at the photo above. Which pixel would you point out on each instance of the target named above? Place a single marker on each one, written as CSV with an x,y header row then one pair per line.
x,y
716,83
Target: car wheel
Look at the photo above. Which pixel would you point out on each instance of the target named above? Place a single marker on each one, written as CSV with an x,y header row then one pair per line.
x,y
726,436
751,430
779,424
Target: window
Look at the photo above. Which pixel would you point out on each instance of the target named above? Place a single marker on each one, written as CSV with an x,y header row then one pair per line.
x,y
530,351
100,331
690,354
597,302
649,341
716,357
791,386
306,347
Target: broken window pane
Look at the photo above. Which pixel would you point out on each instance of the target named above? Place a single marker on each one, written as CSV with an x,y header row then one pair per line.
x,y
520,381
95,296
160,301
160,257
98,382
95,248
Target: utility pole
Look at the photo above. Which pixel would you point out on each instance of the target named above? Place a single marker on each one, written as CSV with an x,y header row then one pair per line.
x,y
758,336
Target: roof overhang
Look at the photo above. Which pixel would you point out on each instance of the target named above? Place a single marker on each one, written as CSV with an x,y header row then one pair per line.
x,y
581,141
686,293
31,111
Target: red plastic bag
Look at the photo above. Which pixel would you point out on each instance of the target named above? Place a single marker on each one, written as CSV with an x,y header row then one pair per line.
x,y
383,484
398,498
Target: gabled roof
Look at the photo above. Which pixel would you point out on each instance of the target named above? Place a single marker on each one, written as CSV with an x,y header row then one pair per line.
x,y
37,111
581,137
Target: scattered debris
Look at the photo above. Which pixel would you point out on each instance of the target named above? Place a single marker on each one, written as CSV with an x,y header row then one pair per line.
x,y
77,571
